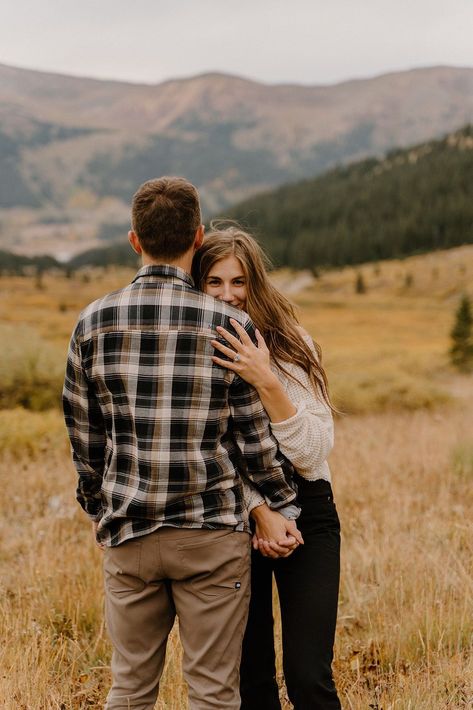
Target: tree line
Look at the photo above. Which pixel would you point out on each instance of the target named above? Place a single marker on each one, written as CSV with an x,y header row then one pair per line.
x,y
414,200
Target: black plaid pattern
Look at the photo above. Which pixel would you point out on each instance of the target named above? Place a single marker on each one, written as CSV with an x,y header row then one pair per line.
x,y
156,428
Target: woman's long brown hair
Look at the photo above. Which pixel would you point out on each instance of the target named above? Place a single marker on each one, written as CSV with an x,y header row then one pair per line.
x,y
270,311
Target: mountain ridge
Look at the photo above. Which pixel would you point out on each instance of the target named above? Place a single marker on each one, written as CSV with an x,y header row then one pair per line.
x,y
25,87
69,141
230,75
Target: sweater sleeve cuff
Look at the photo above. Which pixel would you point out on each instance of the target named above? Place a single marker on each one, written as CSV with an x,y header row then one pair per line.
x,y
281,426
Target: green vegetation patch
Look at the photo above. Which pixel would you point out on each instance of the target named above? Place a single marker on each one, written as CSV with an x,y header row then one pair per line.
x,y
31,370
11,263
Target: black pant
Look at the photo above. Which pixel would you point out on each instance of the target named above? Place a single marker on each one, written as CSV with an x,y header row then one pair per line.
x,y
307,584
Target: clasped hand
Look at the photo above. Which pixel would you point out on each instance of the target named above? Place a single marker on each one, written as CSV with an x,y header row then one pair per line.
x,y
274,535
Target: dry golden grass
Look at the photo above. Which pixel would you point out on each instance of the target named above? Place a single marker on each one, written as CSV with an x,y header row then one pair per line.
x,y
403,474
384,349
52,306
407,591
403,487
387,348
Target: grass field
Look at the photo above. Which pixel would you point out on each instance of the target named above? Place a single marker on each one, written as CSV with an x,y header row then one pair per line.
x,y
402,468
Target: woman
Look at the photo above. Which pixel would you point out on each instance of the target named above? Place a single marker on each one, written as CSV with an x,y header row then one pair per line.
x,y
284,367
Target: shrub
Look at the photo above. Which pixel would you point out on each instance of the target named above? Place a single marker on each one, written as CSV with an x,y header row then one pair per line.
x,y
360,286
31,370
461,352
463,461
31,434
385,387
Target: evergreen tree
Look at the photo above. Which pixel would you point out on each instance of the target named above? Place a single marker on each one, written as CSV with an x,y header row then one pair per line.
x,y
360,286
39,278
461,352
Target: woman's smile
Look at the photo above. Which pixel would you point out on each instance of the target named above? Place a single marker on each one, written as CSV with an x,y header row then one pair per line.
x,y
226,281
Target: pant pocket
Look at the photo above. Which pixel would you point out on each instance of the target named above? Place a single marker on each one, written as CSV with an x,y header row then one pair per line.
x,y
218,566
122,567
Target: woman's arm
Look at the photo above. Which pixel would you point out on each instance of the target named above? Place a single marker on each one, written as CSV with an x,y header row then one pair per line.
x,y
300,420
254,366
307,438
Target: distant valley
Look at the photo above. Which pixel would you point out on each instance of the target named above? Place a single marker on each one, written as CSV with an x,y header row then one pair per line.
x,y
72,151
414,200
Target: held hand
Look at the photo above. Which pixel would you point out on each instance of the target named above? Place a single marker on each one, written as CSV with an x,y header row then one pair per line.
x,y
100,545
253,363
292,529
275,536
271,549
292,541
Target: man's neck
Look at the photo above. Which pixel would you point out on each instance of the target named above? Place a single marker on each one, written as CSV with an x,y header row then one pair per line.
x,y
184,262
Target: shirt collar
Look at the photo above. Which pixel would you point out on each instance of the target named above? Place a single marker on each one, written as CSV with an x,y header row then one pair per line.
x,y
154,272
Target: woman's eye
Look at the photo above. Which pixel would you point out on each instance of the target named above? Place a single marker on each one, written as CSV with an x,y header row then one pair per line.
x,y
213,282
239,282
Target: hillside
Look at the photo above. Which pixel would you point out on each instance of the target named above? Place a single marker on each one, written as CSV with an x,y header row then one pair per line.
x,y
384,348
73,150
414,200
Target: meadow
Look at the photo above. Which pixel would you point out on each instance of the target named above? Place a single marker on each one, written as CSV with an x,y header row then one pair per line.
x,y
402,469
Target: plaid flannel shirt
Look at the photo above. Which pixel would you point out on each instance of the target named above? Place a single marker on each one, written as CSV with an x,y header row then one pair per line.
x,y
157,430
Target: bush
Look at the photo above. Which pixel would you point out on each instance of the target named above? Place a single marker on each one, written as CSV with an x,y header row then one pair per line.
x,y
360,286
31,370
461,352
386,387
463,461
31,434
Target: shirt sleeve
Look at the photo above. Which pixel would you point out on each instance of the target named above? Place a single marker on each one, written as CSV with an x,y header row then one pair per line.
x,y
86,432
252,499
307,437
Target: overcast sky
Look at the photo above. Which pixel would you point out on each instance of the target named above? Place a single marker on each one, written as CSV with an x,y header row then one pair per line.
x,y
303,41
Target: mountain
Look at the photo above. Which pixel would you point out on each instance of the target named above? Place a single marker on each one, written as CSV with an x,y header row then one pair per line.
x,y
414,200
411,201
73,150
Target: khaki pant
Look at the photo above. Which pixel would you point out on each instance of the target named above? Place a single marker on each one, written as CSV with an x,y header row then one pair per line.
x,y
202,576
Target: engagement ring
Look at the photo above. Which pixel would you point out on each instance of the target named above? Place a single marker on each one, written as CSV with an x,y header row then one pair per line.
x,y
236,358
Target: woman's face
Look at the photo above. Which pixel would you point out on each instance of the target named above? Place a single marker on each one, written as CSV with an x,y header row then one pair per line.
x,y
226,281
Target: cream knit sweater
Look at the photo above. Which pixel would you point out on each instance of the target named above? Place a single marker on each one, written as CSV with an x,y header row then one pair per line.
x,y
306,438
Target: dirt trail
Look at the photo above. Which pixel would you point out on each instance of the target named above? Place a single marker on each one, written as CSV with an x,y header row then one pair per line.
x,y
292,283
460,386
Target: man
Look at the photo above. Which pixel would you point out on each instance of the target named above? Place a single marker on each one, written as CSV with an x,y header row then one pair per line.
x,y
156,432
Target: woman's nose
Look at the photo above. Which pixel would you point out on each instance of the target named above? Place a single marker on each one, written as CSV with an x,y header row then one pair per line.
x,y
226,294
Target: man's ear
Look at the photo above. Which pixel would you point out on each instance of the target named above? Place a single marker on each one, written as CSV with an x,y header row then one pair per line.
x,y
134,241
199,237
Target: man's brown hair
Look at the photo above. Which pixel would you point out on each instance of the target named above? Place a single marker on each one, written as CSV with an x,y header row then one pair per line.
x,y
165,216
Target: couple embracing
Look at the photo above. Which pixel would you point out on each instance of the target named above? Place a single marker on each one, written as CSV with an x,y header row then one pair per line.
x,y
198,415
